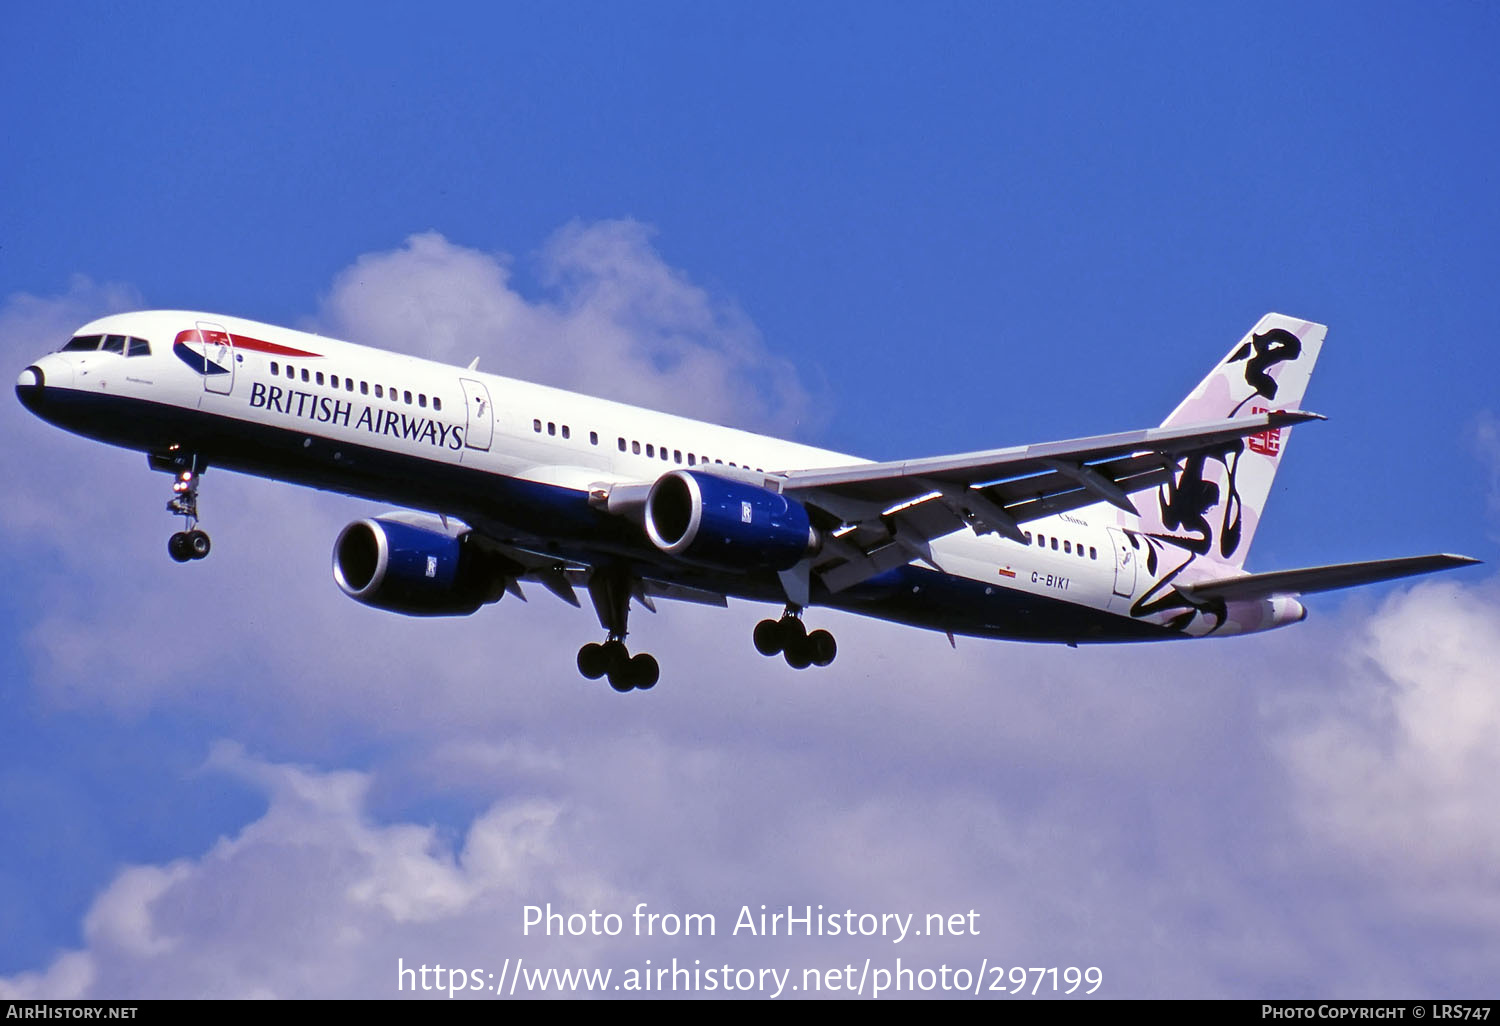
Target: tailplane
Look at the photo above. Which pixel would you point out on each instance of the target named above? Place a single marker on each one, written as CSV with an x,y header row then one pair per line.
x,y
1214,504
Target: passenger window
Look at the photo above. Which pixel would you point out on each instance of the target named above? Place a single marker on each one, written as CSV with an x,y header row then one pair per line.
x,y
551,428
650,450
1028,537
422,400
593,438
395,395
408,398
139,347
1092,553
348,384
536,425
364,388
635,447
692,460
437,404
83,344
114,344
333,380
676,455
664,452
566,432
275,369
291,372
1068,547
306,376
320,377
622,445
1054,544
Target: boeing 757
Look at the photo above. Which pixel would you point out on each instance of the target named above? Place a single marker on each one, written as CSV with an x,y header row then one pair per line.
x,y
1135,536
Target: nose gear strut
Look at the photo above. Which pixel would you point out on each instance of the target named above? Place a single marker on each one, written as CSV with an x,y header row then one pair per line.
x,y
190,543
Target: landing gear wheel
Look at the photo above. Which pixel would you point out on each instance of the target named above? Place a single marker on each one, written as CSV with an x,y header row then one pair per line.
x,y
644,672
767,637
792,631
198,544
799,654
611,588
823,647
180,547
617,665
592,662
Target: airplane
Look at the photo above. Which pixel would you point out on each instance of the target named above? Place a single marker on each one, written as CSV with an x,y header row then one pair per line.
x,y
1134,536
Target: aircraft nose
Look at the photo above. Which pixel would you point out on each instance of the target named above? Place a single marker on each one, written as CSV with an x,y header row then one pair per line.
x,y
29,387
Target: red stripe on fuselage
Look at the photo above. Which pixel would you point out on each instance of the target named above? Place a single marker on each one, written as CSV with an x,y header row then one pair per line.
x,y
254,345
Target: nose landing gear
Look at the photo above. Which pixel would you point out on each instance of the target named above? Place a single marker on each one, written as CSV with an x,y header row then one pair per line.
x,y
190,543
789,638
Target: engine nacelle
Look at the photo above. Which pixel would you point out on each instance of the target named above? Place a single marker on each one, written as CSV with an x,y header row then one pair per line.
x,y
713,521
398,566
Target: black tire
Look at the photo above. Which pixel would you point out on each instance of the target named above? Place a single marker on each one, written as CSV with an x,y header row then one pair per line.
x,y
198,544
617,665
616,658
644,672
179,548
767,638
592,662
791,630
823,647
799,654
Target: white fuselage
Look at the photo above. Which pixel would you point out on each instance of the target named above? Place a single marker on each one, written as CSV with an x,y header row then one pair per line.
x,y
350,418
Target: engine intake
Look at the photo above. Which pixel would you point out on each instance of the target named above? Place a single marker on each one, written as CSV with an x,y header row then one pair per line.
x,y
419,571
713,521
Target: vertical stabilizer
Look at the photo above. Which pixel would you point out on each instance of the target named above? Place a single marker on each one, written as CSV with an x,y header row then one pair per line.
x,y
1215,503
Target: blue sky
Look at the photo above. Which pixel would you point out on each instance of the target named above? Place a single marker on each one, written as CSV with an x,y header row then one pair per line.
x,y
909,231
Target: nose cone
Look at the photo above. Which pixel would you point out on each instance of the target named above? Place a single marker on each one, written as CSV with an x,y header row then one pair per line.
x,y
29,387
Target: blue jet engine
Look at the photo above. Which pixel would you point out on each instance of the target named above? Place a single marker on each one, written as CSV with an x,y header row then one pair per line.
x,y
729,525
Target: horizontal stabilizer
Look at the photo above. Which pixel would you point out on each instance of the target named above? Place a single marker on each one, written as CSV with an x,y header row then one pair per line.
x,y
1321,578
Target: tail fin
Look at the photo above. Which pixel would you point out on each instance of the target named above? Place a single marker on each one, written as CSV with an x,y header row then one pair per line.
x,y
1215,503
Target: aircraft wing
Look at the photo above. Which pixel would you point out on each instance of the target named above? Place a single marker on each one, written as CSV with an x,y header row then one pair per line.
x,y
883,515
562,577
1322,578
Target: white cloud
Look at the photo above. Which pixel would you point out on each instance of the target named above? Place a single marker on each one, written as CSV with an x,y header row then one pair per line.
x,y
315,900
617,322
1399,770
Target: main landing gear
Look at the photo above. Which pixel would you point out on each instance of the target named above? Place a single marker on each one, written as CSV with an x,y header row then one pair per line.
x,y
611,588
625,671
789,638
191,543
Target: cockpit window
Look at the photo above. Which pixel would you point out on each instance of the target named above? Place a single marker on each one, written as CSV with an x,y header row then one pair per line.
x,y
114,344
83,343
138,347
